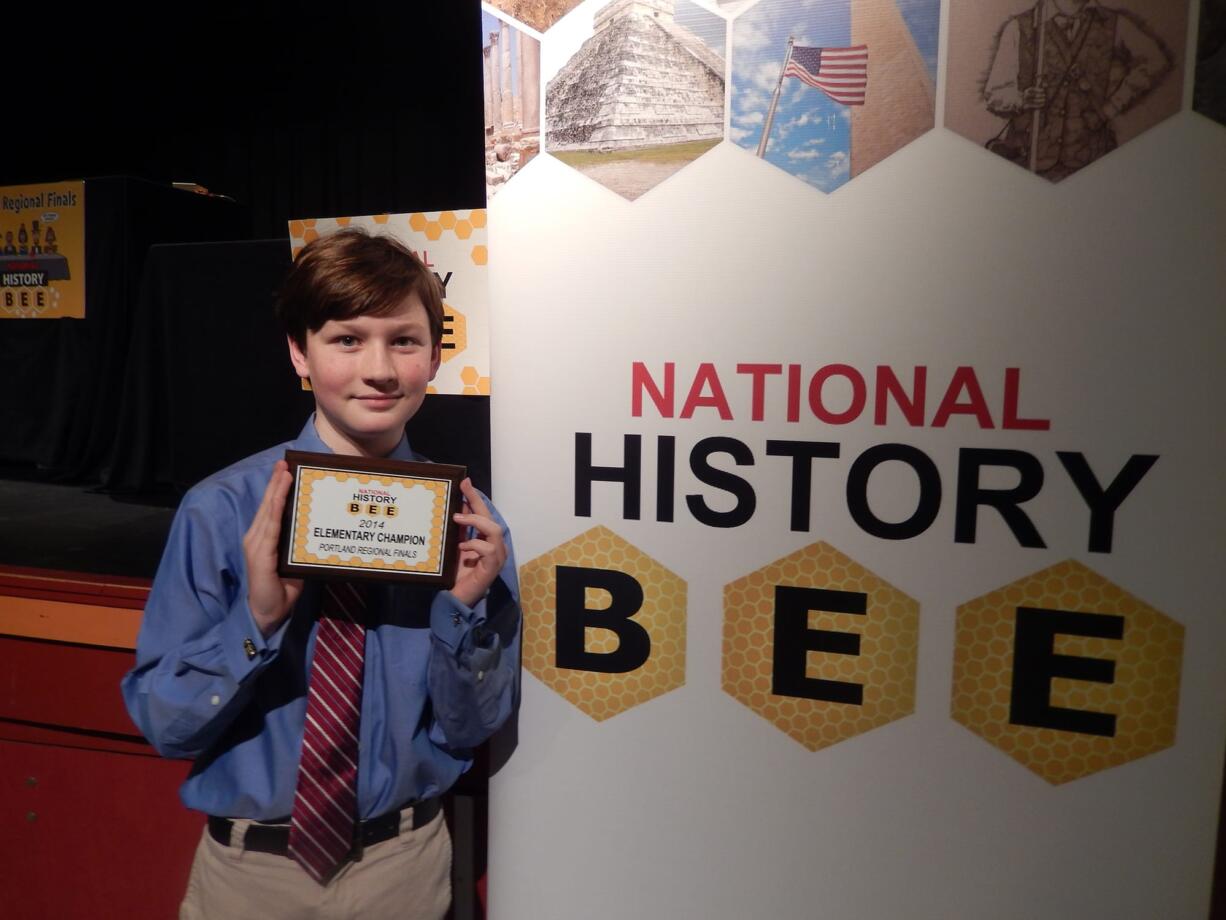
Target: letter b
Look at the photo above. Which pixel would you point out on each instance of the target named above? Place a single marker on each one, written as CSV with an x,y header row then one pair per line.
x,y
574,617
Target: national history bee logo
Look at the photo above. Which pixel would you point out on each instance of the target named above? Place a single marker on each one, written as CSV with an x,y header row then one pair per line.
x,y
42,251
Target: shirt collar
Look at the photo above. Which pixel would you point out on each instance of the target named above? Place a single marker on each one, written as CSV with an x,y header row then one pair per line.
x,y
309,439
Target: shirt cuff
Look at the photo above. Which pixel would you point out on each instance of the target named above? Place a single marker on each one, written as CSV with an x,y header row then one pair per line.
x,y
450,619
244,646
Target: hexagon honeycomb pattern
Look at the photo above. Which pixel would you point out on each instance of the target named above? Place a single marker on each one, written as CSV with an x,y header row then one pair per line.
x,y
455,334
873,650
661,616
641,94
1053,98
826,90
1016,648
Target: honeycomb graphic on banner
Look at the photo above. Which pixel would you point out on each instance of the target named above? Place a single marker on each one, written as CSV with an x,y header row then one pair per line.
x,y
1067,673
573,588
863,646
447,222
455,333
474,383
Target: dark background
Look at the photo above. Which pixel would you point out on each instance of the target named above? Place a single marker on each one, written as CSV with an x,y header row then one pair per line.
x,y
178,369
293,112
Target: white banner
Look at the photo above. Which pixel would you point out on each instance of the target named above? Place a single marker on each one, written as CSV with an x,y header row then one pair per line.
x,y
870,539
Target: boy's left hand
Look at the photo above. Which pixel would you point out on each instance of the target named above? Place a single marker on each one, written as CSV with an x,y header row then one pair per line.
x,y
482,556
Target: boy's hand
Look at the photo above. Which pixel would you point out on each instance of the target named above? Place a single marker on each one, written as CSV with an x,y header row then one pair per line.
x,y
482,557
269,596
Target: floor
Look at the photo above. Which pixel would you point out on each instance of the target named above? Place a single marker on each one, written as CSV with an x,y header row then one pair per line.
x,y
74,528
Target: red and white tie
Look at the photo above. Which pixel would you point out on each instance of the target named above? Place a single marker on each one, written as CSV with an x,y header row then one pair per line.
x,y
325,800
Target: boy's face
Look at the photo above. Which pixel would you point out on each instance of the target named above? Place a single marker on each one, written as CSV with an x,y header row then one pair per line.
x,y
369,376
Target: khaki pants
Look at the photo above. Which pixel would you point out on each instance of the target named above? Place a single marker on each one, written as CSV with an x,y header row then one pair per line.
x,y
407,877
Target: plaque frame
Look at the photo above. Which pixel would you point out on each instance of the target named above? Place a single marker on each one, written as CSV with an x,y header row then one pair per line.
x,y
295,561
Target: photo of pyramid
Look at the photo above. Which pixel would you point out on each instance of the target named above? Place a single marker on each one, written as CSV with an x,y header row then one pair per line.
x,y
642,97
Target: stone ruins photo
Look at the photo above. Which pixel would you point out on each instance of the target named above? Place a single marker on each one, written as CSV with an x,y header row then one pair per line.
x,y
540,14
642,97
512,61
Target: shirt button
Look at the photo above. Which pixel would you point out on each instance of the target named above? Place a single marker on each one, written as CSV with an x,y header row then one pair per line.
x,y
215,700
480,675
249,648
455,619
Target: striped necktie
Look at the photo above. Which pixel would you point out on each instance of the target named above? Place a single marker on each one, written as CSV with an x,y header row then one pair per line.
x,y
325,800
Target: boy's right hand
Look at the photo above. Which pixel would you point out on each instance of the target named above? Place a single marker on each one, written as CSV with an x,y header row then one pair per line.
x,y
269,596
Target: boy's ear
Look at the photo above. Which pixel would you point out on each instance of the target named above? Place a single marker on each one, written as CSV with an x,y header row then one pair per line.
x,y
297,357
436,357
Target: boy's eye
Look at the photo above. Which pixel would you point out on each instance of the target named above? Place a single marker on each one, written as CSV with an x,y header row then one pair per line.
x,y
348,341
405,340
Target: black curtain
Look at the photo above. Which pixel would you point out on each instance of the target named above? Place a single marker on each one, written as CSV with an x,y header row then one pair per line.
x,y
293,112
353,109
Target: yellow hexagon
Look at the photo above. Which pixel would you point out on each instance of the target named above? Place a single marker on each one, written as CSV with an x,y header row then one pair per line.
x,y
343,221
455,333
433,230
477,217
310,234
446,220
820,647
1067,673
474,383
418,222
636,654
380,218
480,255
296,227
463,229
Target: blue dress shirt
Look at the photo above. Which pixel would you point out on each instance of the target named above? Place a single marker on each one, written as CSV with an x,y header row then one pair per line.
x,y
439,679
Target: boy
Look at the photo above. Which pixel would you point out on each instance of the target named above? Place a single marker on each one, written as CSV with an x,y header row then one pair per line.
x,y
226,666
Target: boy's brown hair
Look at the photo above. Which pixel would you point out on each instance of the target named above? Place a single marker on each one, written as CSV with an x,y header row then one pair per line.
x,y
353,273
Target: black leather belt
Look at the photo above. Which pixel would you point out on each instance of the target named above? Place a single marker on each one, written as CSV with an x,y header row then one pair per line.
x,y
273,837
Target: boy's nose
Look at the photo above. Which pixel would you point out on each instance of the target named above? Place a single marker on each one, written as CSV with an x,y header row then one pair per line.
x,y
378,365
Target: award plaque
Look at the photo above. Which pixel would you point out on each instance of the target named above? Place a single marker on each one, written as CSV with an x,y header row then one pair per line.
x,y
362,517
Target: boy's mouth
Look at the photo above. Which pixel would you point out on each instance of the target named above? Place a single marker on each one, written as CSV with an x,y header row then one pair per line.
x,y
377,400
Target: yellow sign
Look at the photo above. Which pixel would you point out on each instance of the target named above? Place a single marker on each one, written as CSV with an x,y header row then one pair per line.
x,y
1067,673
42,251
820,647
604,623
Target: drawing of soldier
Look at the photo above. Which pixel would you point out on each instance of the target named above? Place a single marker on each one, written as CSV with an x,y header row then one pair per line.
x,y
1061,72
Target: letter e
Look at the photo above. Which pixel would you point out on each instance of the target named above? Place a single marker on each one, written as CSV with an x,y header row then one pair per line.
x,y
1035,663
794,640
